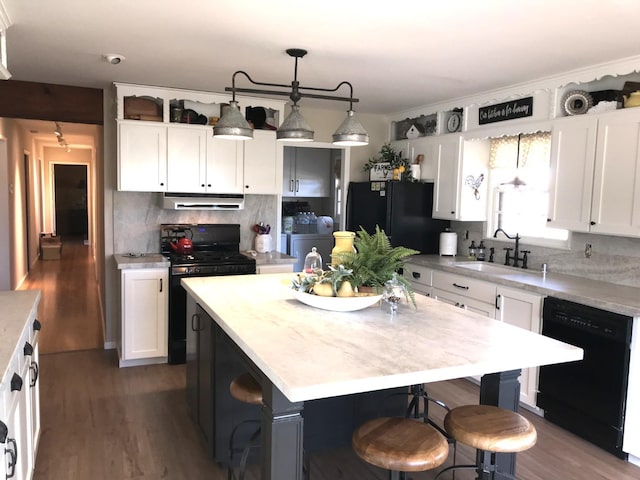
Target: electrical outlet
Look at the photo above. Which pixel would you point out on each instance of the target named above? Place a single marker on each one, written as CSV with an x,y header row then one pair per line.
x,y
587,250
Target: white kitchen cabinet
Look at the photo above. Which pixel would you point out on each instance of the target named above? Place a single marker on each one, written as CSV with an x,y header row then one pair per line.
x,y
464,292
274,268
142,156
419,278
573,147
19,393
144,296
262,164
306,172
615,207
225,166
595,184
186,159
459,164
522,309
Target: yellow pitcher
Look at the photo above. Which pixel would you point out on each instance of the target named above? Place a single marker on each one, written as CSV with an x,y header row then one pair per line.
x,y
344,243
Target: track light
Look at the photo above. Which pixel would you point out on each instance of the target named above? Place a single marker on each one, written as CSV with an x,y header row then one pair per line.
x,y
294,128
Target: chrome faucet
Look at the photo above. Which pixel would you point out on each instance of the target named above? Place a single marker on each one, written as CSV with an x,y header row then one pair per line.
x,y
516,254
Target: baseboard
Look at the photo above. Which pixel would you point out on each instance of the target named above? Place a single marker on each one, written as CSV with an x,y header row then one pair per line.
x,y
110,345
633,459
142,361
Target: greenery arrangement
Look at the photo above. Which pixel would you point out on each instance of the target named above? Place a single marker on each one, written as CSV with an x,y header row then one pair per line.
x,y
374,263
401,167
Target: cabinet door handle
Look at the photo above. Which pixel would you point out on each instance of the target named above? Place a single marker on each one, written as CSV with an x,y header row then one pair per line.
x,y
291,186
460,286
36,373
13,457
161,285
193,317
498,297
36,325
297,185
28,349
16,382
415,274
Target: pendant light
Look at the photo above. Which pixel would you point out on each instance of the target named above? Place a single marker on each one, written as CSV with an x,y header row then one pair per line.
x,y
294,128
232,125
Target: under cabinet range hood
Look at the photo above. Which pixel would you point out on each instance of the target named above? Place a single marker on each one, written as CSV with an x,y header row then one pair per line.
x,y
196,201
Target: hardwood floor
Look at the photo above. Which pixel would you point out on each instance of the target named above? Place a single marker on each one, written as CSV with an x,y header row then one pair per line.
x,y
104,423
69,309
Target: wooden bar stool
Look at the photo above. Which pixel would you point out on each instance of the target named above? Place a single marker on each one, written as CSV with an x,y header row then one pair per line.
x,y
246,389
400,445
490,430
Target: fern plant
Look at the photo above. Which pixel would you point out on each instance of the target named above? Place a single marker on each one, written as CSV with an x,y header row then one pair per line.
x,y
375,261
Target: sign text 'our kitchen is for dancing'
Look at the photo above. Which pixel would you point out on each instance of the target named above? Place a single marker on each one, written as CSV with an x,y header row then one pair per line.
x,y
500,112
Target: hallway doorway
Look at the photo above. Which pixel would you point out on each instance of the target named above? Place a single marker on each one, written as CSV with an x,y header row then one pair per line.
x,y
70,198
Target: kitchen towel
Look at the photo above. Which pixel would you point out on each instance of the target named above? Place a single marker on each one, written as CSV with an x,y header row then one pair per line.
x,y
448,243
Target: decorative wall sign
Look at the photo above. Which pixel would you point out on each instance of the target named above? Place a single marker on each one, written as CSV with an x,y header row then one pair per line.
x,y
500,112
380,172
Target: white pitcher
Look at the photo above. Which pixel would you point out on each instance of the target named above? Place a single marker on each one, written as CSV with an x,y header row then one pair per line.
x,y
263,243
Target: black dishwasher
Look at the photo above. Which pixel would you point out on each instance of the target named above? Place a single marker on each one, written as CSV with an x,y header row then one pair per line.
x,y
587,397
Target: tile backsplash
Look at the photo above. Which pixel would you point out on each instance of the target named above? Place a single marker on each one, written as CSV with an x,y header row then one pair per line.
x,y
137,217
613,259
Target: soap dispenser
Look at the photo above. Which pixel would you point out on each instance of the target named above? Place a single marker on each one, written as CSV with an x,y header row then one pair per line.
x,y
472,250
481,252
313,261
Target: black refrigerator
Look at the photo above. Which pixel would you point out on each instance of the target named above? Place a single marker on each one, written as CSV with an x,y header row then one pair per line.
x,y
402,209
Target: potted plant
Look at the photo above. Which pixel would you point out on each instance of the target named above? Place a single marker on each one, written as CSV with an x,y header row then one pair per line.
x,y
375,261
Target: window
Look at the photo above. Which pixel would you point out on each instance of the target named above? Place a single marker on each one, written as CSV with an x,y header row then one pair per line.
x,y
519,175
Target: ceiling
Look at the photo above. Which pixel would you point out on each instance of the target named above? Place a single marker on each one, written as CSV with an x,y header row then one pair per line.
x,y
403,55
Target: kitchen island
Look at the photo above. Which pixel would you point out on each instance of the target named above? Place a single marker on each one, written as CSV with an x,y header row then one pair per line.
x,y
301,354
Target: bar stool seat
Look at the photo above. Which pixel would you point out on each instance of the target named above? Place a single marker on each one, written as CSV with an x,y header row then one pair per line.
x,y
246,389
400,444
490,428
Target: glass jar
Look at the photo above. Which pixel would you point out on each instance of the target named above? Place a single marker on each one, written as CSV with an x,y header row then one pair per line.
x,y
313,261
393,294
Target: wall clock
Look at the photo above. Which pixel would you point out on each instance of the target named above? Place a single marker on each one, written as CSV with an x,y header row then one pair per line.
x,y
453,124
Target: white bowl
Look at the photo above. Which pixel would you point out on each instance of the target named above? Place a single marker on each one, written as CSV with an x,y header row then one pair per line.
x,y
336,304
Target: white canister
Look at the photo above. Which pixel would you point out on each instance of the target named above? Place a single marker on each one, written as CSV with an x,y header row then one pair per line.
x,y
325,225
262,243
448,243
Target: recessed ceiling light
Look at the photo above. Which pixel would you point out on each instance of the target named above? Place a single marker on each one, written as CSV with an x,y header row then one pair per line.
x,y
113,58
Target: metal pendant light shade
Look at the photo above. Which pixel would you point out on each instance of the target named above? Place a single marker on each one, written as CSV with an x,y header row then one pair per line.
x,y
295,128
232,125
351,133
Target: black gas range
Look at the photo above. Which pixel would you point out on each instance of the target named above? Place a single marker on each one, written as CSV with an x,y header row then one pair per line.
x,y
215,251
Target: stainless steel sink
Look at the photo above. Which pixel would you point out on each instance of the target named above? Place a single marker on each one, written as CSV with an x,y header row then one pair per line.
x,y
494,269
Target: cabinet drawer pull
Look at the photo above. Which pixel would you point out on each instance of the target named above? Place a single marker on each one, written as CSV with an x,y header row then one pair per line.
x,y
498,301
13,457
28,349
194,317
416,274
160,285
36,373
460,286
16,382
37,325
4,432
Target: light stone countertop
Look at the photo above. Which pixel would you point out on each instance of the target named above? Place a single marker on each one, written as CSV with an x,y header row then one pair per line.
x,y
272,258
141,260
608,296
18,308
310,353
